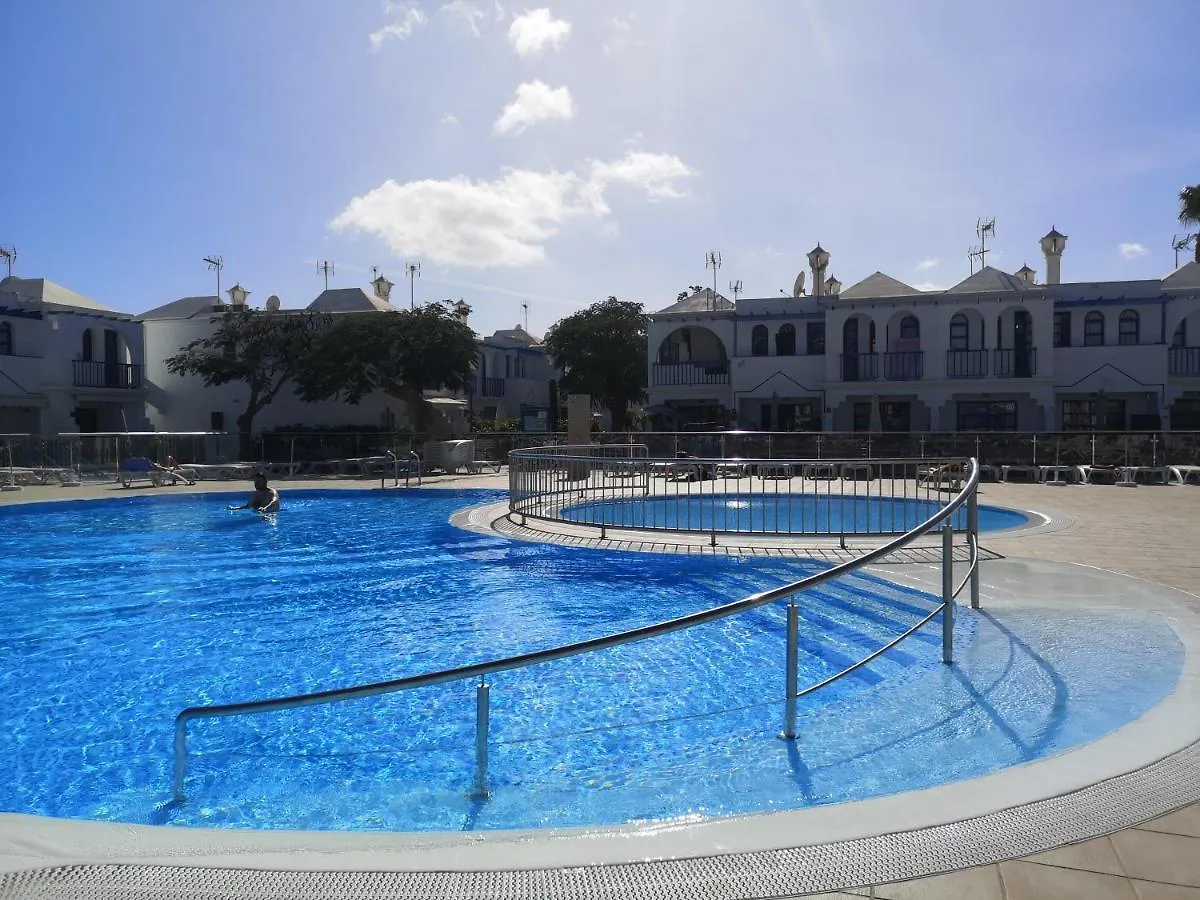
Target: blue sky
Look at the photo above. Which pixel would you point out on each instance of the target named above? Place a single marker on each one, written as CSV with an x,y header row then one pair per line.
x,y
556,154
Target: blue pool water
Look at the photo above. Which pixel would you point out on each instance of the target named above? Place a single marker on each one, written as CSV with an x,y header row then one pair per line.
x,y
119,613
780,513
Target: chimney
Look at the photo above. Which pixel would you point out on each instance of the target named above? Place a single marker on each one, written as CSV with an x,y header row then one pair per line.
x,y
818,259
383,288
1027,275
1053,245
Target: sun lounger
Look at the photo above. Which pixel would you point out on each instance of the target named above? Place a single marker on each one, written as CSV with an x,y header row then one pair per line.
x,y
1183,474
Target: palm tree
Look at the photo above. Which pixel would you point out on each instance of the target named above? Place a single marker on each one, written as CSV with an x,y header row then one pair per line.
x,y
1189,211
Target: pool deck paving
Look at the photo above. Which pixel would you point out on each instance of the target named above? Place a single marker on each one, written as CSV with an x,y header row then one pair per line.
x,y
1149,532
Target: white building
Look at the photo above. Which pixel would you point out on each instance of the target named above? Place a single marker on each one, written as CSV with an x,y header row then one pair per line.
x,y
512,380
67,363
995,352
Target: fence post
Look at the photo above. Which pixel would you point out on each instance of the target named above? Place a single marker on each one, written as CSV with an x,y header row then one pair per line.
x,y
481,741
791,675
973,531
948,593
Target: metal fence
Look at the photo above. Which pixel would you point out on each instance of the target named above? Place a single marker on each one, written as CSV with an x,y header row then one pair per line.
x,y
621,487
71,458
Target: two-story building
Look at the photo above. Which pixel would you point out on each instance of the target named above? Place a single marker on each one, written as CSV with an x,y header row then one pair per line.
x,y
67,363
994,352
512,379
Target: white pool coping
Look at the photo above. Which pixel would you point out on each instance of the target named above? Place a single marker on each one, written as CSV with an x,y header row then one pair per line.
x,y
28,842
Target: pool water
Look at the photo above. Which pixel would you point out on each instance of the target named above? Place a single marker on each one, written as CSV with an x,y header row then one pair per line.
x,y
119,613
780,513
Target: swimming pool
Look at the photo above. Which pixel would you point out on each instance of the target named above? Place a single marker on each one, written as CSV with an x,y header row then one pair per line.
x,y
119,613
811,514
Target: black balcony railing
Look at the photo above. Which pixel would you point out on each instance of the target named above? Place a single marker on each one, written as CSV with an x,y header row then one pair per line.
x,y
860,366
1184,361
1015,363
100,374
966,363
491,387
904,365
696,372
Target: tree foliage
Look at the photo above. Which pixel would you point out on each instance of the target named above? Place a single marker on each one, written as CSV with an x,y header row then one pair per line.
x,y
602,352
1189,205
263,351
401,353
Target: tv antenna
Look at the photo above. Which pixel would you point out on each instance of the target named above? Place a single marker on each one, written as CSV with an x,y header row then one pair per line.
x,y
525,310
413,271
1178,242
713,261
984,226
735,288
9,255
216,263
325,267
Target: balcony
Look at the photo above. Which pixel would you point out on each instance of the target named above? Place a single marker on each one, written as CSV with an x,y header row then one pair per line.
x,y
491,387
1183,361
90,373
966,364
906,365
691,373
860,366
1015,363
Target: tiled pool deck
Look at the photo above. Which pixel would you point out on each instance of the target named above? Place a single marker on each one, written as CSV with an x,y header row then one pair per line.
x,y
1152,533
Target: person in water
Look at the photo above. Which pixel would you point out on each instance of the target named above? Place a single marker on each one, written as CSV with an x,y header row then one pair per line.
x,y
265,499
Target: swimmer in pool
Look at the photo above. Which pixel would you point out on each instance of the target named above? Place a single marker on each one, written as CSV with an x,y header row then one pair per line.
x,y
265,499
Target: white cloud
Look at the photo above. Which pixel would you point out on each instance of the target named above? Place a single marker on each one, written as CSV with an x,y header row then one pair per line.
x,y
930,262
535,102
448,119
405,17
1132,250
931,286
534,30
505,222
619,39
474,14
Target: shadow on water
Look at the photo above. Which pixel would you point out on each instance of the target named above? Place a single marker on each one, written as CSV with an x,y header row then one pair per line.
x,y
800,772
163,813
476,806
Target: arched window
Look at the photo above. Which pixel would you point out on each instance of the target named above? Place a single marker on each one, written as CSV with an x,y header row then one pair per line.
x,y
758,341
1093,329
960,331
1128,327
87,345
785,340
6,339
910,329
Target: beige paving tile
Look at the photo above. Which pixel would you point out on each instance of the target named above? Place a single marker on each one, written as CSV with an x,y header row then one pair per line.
x,y
1185,821
1093,856
1032,881
1153,890
977,884
1154,856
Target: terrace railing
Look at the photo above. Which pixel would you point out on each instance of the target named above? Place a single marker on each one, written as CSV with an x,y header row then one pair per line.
x,y
571,463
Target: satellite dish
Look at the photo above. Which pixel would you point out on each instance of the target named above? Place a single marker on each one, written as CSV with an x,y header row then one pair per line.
x,y
798,287
273,303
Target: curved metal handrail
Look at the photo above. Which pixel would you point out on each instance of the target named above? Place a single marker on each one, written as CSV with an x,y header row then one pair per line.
x,y
522,660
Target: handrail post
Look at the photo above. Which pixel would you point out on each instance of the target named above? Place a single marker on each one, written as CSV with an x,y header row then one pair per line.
x,y
792,673
973,531
481,741
947,593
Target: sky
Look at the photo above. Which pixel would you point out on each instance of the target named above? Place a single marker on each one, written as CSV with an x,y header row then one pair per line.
x,y
537,158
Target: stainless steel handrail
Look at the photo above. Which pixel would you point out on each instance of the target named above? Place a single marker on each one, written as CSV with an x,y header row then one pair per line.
x,y
479,670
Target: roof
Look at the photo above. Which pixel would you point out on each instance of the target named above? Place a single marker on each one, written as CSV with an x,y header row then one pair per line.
x,y
1085,292
348,300
1185,277
183,308
516,333
877,285
701,301
1053,233
990,280
43,290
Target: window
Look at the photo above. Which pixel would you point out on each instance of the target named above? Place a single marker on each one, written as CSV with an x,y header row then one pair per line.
x,y
895,415
862,415
1128,327
1093,329
910,329
216,421
960,331
6,339
507,366
1100,414
785,340
758,341
987,415
1179,338
815,344
1062,329
87,350
1185,414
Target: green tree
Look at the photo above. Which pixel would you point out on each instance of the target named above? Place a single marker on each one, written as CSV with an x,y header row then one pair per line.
x,y
602,352
401,353
262,350
1189,210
